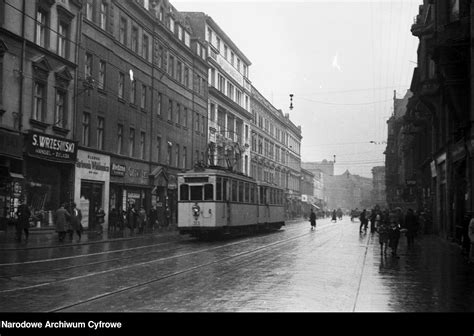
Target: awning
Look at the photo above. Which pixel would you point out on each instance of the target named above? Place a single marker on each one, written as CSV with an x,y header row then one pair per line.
x,y
316,206
18,176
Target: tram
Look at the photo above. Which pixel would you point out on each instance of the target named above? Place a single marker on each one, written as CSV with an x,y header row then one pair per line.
x,y
214,201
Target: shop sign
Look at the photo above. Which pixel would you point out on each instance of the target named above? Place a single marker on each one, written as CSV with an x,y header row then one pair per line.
x,y
118,169
92,165
11,144
410,182
51,147
135,172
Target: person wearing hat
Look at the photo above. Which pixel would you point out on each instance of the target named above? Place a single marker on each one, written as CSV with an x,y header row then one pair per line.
x,y
76,225
62,217
23,223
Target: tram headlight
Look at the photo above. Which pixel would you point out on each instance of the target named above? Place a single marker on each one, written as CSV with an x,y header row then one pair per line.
x,y
196,210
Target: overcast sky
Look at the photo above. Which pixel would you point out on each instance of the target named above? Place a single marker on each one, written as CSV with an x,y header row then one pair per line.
x,y
341,60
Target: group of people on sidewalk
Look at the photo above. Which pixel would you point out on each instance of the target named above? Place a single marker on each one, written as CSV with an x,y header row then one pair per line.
x,y
137,220
390,225
68,219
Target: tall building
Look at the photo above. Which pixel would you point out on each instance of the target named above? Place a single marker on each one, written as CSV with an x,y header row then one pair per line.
x,y
141,106
399,193
38,74
322,171
440,116
348,191
276,150
229,95
378,189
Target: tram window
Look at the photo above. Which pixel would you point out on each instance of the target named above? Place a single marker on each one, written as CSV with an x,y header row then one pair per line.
x,y
272,196
184,192
219,189
246,199
208,192
196,193
234,191
252,193
225,193
241,191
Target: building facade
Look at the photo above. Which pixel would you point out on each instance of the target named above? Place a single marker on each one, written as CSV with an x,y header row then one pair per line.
x,y
38,74
141,107
439,116
276,151
378,189
229,114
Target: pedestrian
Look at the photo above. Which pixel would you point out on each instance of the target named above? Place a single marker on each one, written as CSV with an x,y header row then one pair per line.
x,y
23,222
131,218
100,218
334,216
394,237
363,219
153,218
142,220
62,218
312,219
113,219
383,230
411,226
76,222
373,215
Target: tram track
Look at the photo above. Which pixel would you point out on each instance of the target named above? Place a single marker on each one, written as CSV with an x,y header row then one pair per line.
x,y
191,269
141,263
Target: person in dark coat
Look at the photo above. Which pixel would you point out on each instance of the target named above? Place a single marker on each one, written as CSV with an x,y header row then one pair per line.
x,y
76,219
62,218
131,218
373,215
394,237
113,220
100,219
411,226
334,216
363,220
23,222
153,216
312,219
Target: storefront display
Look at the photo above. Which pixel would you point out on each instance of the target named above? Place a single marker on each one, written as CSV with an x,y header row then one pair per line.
x,y
92,178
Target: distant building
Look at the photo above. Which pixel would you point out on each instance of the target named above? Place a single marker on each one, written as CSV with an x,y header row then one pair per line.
x,y
348,191
378,190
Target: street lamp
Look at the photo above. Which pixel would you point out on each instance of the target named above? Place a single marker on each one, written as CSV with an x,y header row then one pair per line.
x,y
291,101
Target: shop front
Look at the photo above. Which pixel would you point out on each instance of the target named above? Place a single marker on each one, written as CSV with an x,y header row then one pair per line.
x,y
165,195
92,179
129,185
11,177
49,169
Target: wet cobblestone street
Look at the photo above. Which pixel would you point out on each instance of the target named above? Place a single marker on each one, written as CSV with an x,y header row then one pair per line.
x,y
334,269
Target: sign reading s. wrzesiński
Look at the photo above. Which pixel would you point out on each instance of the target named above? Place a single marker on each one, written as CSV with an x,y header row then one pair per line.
x,y
50,147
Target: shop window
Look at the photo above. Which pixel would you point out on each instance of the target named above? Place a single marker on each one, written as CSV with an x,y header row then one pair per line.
x,y
208,192
184,192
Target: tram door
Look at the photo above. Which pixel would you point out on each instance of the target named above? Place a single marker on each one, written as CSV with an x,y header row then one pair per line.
x,y
91,197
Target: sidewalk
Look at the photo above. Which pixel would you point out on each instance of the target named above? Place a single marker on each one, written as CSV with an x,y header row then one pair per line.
x,y
48,237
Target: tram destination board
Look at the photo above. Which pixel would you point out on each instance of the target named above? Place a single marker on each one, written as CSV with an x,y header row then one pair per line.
x,y
196,179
